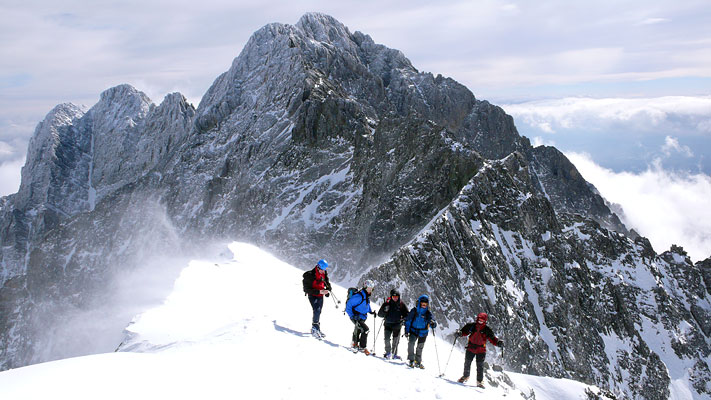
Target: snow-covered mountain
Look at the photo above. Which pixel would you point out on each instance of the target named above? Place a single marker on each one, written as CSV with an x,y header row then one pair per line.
x,y
316,143
215,337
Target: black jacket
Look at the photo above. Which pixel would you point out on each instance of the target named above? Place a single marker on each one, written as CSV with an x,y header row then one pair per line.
x,y
308,282
396,311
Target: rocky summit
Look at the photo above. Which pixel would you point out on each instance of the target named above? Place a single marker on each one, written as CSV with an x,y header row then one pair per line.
x,y
320,143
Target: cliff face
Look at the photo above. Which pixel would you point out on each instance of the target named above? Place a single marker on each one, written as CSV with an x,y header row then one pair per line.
x,y
570,298
317,142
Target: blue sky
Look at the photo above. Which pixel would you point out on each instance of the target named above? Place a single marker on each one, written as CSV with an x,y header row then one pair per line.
x,y
625,83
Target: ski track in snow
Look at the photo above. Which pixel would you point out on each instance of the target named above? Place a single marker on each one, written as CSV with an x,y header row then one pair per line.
x,y
241,329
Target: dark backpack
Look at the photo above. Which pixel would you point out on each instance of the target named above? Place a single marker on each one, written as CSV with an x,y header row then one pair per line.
x,y
308,281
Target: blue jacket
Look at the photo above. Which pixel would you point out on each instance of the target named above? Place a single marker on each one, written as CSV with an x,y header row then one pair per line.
x,y
419,320
358,306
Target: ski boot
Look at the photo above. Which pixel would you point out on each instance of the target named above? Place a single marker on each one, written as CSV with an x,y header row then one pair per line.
x,y
463,379
387,356
396,357
411,364
420,365
315,333
366,351
480,384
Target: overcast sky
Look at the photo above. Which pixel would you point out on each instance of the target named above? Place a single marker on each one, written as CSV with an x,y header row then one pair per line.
x,y
575,74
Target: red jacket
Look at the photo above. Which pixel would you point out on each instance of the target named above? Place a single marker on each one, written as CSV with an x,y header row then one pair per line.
x,y
478,335
314,281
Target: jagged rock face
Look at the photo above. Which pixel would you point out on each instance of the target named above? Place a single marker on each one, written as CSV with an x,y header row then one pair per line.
x,y
568,191
48,230
355,148
54,185
55,152
570,298
320,143
705,267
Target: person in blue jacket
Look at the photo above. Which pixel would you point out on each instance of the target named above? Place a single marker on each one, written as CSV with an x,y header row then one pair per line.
x,y
417,325
358,308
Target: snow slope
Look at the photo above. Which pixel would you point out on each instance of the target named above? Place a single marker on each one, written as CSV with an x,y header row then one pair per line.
x,y
240,329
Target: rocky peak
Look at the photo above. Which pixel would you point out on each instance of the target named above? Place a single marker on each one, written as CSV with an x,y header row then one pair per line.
x,y
118,109
46,155
324,28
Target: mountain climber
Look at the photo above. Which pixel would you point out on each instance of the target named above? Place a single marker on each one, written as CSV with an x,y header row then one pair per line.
x,y
417,325
394,311
478,333
316,285
358,308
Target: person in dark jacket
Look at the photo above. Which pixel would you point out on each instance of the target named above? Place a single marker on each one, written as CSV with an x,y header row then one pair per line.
x,y
316,285
358,308
417,325
394,312
479,333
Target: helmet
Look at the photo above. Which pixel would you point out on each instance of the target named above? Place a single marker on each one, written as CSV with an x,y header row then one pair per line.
x,y
369,284
322,264
424,299
482,316
394,292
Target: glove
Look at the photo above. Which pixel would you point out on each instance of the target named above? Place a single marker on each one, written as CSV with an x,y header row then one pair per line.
x,y
434,324
372,312
323,291
500,343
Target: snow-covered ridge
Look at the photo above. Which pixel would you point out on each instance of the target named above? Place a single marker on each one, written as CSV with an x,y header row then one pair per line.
x,y
219,338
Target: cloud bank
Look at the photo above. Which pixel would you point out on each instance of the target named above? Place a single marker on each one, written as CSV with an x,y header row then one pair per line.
x,y
678,114
623,134
664,206
10,176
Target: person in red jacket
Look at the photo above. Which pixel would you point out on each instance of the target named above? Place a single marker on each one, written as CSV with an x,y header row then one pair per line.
x,y
316,285
479,333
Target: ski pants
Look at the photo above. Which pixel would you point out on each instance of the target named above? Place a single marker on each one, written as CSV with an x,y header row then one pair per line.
x,y
468,358
392,330
360,333
317,305
412,354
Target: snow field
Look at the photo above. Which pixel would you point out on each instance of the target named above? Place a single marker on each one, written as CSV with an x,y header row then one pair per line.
x,y
241,329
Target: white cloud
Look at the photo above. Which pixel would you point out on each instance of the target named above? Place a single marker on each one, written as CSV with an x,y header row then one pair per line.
x,y
539,141
664,206
5,149
671,144
10,176
652,21
674,113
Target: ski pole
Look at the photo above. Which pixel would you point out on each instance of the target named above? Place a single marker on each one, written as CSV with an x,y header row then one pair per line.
x,y
334,297
375,340
335,301
450,355
436,352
